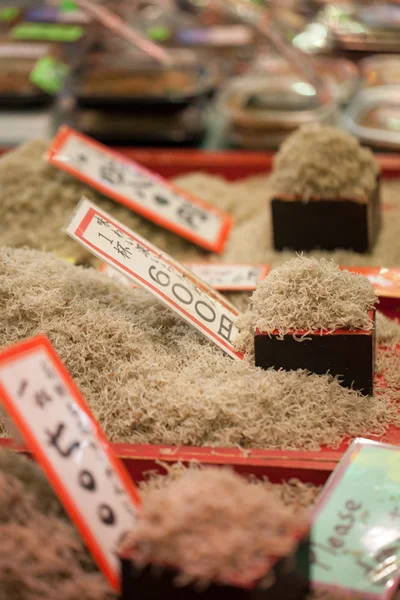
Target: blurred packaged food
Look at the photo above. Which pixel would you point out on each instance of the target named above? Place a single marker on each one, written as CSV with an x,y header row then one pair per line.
x,y
374,117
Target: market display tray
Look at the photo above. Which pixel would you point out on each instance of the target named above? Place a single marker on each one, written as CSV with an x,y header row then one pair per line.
x,y
278,465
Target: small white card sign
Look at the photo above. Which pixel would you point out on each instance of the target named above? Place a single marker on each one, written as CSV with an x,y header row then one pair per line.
x,y
229,277
220,276
66,440
149,267
146,193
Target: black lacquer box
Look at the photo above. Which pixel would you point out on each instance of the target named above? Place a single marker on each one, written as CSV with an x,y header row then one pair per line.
x,y
326,224
291,581
349,354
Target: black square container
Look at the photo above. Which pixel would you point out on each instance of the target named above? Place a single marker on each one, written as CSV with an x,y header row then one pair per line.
x,y
349,354
326,224
292,582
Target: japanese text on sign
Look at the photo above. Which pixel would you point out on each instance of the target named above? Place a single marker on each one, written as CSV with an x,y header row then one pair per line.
x,y
137,188
168,280
221,277
225,277
356,529
55,421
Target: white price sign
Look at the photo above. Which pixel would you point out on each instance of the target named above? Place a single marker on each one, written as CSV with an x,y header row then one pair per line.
x,y
221,277
229,278
56,423
139,189
149,267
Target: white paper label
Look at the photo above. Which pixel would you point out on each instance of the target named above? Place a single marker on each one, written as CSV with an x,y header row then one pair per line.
x,y
229,277
149,267
221,277
56,423
141,190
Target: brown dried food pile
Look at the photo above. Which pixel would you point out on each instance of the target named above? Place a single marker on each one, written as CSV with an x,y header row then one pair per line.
x,y
212,526
151,378
324,162
295,494
40,552
306,295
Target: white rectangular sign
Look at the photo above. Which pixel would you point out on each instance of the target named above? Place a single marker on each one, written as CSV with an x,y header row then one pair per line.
x,y
219,276
146,193
56,423
229,278
156,271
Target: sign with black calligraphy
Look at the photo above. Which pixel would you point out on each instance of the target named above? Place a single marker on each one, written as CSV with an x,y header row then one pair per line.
x,y
57,425
355,537
146,193
228,277
219,276
156,271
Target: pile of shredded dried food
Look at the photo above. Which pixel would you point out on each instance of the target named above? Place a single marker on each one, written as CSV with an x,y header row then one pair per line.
x,y
325,162
151,378
40,552
212,526
37,199
306,295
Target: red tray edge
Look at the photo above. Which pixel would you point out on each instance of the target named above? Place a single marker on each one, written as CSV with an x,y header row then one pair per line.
x,y
319,461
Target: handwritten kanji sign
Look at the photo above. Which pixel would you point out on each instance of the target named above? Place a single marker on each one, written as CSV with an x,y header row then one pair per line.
x,y
156,271
229,277
57,425
146,193
219,276
356,523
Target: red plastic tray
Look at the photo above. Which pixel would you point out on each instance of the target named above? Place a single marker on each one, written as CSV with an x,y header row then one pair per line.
x,y
276,464
229,164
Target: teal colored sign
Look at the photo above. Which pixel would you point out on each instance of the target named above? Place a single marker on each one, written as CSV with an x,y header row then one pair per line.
x,y
356,530
49,74
49,32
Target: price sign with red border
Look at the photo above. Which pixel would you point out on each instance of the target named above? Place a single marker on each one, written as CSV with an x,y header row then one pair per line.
x,y
167,279
146,193
57,425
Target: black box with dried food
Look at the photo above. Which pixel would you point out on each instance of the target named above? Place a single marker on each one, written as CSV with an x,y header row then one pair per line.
x,y
351,224
289,579
349,354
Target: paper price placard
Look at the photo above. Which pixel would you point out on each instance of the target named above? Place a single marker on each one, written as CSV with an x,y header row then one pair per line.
x,y
149,267
221,277
229,278
56,423
139,189
356,529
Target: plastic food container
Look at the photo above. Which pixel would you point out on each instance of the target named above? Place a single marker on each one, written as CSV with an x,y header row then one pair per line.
x,y
116,128
343,74
374,117
17,60
364,29
261,110
381,69
127,81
